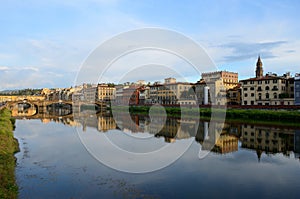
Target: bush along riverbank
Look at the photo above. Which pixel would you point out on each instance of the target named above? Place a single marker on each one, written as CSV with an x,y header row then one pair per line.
x,y
8,147
242,114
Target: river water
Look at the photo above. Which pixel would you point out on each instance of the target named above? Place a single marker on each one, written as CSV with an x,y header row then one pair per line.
x,y
67,157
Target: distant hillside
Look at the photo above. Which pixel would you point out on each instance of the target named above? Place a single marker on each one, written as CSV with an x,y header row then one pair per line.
x,y
27,91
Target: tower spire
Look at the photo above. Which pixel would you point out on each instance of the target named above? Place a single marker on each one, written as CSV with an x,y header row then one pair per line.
x,y
259,69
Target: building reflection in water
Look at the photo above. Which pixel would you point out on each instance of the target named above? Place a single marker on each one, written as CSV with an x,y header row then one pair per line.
x,y
217,137
270,140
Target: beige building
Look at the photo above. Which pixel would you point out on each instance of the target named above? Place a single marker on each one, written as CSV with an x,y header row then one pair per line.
x,y
172,92
218,83
229,79
105,92
267,90
89,93
177,92
234,96
201,91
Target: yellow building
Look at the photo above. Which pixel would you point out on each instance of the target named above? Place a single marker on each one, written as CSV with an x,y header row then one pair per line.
x,y
218,83
105,92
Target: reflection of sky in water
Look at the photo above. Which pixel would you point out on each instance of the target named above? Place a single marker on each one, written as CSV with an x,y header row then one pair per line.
x,y
141,144
54,164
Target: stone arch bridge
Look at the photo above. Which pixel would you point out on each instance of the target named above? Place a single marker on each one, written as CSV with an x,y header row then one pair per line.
x,y
41,105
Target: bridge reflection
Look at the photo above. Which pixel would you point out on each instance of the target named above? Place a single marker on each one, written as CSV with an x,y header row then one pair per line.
x,y
59,108
217,137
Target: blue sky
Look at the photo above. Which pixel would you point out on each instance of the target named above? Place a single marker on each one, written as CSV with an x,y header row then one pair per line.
x,y
44,43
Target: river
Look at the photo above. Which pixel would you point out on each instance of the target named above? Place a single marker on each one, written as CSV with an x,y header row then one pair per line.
x,y
68,157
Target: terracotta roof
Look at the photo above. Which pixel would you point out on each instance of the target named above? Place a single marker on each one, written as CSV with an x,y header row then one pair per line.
x,y
262,78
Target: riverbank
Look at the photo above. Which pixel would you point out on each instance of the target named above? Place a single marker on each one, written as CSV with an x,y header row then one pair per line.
x,y
290,116
8,147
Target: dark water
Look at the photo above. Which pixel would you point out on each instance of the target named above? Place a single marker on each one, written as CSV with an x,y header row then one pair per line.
x,y
246,161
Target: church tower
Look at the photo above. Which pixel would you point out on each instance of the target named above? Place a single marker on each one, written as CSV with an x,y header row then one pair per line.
x,y
259,69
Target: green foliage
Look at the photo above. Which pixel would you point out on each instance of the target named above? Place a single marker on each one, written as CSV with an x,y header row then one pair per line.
x,y
245,114
8,146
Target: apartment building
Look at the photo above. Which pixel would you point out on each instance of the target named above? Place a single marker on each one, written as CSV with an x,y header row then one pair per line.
x,y
172,92
218,83
234,96
89,92
267,90
105,92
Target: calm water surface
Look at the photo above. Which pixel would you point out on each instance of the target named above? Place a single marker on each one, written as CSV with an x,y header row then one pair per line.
x,y
249,161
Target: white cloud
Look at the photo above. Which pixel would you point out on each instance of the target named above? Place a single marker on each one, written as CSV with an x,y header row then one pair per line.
x,y
4,68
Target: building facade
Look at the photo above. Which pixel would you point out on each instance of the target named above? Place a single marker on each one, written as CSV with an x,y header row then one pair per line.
x,y
105,92
234,96
89,93
172,93
297,89
218,83
267,90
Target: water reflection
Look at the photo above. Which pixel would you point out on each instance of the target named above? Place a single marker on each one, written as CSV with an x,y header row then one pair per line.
x,y
261,139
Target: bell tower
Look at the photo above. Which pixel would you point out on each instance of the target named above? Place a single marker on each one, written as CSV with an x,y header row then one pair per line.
x,y
259,69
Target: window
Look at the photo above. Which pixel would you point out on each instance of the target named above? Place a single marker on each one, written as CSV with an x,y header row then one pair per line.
x,y
259,82
274,80
267,88
267,134
245,89
252,102
246,95
292,88
245,102
267,81
267,95
275,95
252,88
251,82
259,96
259,88
252,94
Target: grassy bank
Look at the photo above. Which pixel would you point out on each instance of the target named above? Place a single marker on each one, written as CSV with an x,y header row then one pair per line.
x,y
241,114
8,146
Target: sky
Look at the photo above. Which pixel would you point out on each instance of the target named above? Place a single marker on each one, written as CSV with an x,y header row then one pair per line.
x,y
46,43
